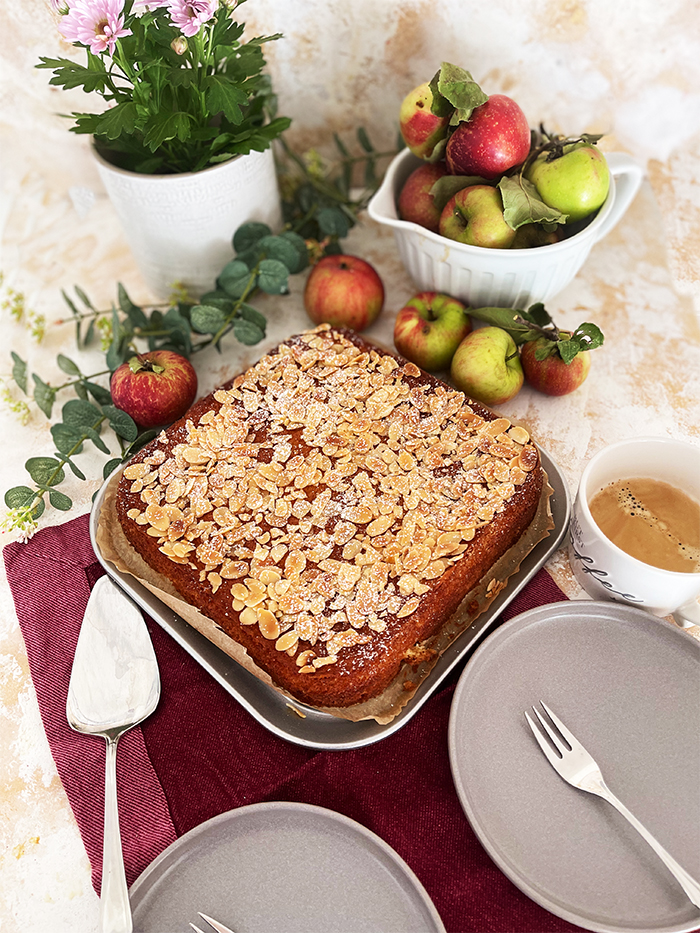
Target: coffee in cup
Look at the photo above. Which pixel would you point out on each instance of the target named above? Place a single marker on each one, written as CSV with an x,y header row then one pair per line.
x,y
635,527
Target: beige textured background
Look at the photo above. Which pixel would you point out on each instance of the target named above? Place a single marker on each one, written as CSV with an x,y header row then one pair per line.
x,y
629,69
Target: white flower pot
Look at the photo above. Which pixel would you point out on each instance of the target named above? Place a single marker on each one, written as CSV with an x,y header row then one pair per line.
x,y
180,227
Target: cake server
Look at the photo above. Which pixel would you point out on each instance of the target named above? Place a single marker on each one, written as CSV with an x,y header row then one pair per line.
x,y
114,685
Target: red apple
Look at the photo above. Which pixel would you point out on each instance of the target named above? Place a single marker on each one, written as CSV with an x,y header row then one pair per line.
x,y
486,366
552,375
155,388
416,204
344,291
495,138
429,328
475,216
421,129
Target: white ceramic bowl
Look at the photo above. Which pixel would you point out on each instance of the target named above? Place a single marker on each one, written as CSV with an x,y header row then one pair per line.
x,y
502,278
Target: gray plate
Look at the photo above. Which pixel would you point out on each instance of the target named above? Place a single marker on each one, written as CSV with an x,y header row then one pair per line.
x,y
321,730
280,867
628,686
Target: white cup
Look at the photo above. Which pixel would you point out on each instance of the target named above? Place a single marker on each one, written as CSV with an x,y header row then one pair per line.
x,y
603,569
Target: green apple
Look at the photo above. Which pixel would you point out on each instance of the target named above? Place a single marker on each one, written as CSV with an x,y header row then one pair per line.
x,y
575,183
486,366
552,375
421,129
429,328
475,216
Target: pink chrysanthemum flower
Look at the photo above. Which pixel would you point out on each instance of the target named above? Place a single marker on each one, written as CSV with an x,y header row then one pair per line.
x,y
97,23
189,15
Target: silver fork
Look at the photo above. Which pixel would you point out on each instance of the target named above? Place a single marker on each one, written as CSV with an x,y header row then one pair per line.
x,y
576,766
219,927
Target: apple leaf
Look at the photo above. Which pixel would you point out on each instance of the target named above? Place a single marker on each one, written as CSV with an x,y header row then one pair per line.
x,y
447,186
440,105
523,205
460,90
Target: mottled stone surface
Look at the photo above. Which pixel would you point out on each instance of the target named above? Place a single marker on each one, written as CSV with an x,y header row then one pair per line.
x,y
629,70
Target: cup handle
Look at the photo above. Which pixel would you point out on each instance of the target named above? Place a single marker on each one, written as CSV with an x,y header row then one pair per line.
x,y
688,615
628,176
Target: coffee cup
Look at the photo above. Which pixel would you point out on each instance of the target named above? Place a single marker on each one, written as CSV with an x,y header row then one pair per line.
x,y
604,569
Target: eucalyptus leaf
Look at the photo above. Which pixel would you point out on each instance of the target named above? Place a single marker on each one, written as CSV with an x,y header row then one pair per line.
x,y
273,277
44,395
19,371
67,365
248,235
110,466
101,395
140,442
132,311
19,497
333,222
206,319
247,333
60,500
299,244
75,470
67,439
249,313
276,247
121,423
45,471
91,434
234,279
80,390
78,413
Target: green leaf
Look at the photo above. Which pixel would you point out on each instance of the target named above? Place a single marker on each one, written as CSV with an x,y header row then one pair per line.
x,y
59,500
78,413
249,313
447,186
44,395
440,106
45,471
161,128
140,442
222,96
364,140
19,497
110,466
235,278
180,330
247,333
461,90
589,335
67,365
248,235
132,311
206,319
568,349
273,277
19,371
75,470
67,439
299,244
121,423
117,120
333,222
101,395
277,247
523,205
91,434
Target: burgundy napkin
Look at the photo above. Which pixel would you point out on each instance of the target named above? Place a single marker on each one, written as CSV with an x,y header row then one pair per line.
x,y
201,753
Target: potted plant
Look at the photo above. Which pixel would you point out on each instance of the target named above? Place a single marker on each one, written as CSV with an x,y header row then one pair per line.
x,y
184,144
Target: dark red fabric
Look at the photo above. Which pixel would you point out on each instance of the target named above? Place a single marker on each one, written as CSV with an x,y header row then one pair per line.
x,y
201,753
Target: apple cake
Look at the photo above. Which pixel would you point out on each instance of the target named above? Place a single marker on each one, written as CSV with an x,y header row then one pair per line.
x,y
329,509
